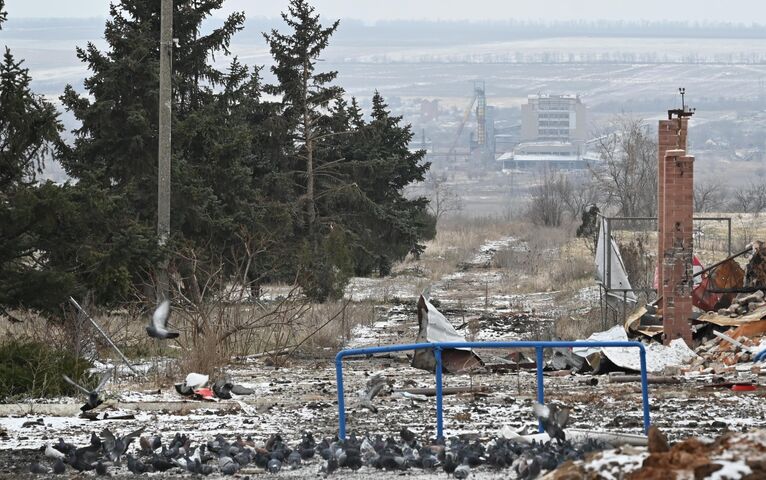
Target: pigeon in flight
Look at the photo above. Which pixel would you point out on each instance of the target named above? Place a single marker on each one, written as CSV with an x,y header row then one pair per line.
x,y
93,395
375,385
115,447
554,420
157,328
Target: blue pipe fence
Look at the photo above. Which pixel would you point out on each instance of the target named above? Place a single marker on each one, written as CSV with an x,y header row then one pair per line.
x,y
437,347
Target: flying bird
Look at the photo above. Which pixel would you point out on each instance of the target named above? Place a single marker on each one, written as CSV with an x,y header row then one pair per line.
x,y
94,399
375,385
115,447
554,420
157,328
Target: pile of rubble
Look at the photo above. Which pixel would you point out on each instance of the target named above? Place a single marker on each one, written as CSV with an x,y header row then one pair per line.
x,y
730,456
744,305
738,345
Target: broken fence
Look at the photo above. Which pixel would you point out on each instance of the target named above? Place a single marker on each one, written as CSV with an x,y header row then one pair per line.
x,y
438,347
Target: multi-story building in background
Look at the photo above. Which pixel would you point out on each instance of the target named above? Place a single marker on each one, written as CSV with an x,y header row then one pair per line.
x,y
553,133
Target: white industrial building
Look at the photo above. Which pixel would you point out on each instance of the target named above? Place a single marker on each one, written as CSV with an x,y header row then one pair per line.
x,y
553,134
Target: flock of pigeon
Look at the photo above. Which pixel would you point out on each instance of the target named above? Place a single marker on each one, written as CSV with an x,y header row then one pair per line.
x,y
457,457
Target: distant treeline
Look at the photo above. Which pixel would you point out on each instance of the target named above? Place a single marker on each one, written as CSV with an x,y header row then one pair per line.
x,y
558,57
402,32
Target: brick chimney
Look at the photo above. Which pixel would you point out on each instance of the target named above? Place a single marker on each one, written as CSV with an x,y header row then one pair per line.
x,y
671,136
675,211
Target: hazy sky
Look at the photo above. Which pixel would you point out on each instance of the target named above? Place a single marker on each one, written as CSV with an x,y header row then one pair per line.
x,y
748,11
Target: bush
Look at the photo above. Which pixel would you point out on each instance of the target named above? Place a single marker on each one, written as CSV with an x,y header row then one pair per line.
x,y
34,369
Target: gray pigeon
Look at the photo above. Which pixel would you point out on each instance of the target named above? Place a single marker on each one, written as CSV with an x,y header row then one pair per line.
x,y
157,328
274,465
59,467
101,469
554,420
462,471
374,386
115,447
38,469
227,465
93,395
222,389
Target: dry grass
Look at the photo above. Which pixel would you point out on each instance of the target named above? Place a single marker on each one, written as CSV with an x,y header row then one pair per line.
x,y
570,328
457,240
551,260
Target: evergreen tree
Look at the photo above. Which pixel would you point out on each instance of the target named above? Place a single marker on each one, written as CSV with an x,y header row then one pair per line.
x,y
350,173
29,127
383,224
214,195
305,99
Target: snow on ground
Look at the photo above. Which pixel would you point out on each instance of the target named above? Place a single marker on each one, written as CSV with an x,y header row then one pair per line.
x,y
302,395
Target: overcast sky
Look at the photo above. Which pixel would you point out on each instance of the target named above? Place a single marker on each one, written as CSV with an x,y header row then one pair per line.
x,y
747,11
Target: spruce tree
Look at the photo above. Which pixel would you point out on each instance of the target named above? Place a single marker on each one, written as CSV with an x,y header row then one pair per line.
x,y
29,128
214,194
305,99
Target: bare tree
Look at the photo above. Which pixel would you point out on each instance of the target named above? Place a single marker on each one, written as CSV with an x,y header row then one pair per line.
x,y
750,199
627,173
579,194
708,196
443,198
548,205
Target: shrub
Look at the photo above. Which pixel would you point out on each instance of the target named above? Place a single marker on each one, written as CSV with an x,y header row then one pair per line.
x,y
35,369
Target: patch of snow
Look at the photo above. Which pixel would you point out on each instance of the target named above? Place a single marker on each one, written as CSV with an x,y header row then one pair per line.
x,y
731,470
613,464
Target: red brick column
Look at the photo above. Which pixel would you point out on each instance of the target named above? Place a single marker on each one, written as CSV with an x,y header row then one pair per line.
x,y
676,229
671,136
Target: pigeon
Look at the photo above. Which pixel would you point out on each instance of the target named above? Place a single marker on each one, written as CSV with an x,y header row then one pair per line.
x,y
150,444
307,446
554,420
160,463
240,390
408,436
51,452
374,386
428,461
222,389
462,471
101,469
38,469
449,463
93,395
157,328
59,467
274,466
64,447
81,460
294,459
227,465
115,447
135,466
244,457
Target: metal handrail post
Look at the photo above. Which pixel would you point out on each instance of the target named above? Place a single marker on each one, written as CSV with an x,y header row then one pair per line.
x,y
341,400
644,387
540,384
439,394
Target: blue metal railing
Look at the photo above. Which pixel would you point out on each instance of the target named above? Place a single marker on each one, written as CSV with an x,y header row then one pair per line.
x,y
438,347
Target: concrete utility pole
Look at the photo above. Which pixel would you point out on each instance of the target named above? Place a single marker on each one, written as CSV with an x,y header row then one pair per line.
x,y
163,171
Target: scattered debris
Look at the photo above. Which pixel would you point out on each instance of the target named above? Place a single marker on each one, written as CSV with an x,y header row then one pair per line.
x,y
434,327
